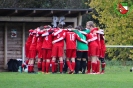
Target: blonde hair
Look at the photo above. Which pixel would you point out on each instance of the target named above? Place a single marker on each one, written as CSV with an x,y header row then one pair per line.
x,y
90,23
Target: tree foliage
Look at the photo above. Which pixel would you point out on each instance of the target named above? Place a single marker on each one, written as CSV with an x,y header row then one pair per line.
x,y
56,4
118,29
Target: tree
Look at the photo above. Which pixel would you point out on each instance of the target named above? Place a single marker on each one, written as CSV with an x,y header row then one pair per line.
x,y
56,4
118,29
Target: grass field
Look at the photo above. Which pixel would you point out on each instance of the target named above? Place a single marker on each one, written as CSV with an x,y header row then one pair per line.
x,y
115,77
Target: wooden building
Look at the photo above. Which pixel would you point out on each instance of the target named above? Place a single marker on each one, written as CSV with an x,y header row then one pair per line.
x,y
20,20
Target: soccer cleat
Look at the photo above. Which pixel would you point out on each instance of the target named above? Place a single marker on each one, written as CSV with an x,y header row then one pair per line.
x,y
43,72
102,72
64,72
98,73
93,73
76,73
39,69
80,71
53,72
33,72
61,72
47,73
71,72
83,72
87,72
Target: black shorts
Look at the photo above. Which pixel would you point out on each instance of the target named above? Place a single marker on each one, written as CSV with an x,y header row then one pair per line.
x,y
82,54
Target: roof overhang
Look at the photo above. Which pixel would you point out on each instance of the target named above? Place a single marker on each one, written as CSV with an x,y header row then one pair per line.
x,y
36,12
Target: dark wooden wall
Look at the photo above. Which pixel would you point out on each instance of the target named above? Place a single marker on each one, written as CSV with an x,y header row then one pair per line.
x,y
14,45
1,46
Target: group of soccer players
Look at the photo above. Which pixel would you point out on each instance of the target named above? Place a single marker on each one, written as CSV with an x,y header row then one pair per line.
x,y
84,48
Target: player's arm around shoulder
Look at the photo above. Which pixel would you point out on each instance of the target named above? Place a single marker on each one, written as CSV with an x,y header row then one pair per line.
x,y
56,32
80,39
85,31
76,31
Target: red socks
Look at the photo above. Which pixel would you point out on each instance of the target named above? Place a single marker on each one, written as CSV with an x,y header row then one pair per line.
x,y
73,65
53,66
27,61
43,66
39,64
89,66
61,66
56,67
69,65
47,66
29,70
98,67
32,68
94,67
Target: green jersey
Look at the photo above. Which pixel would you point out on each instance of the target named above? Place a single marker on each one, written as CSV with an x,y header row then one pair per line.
x,y
80,45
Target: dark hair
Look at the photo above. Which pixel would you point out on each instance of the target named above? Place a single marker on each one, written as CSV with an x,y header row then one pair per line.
x,y
81,28
69,26
41,27
60,26
77,28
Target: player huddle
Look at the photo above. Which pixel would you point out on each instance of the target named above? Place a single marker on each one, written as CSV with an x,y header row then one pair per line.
x,y
84,48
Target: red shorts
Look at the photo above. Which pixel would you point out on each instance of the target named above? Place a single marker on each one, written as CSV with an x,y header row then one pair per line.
x,y
57,51
47,53
39,52
93,51
32,54
71,53
102,53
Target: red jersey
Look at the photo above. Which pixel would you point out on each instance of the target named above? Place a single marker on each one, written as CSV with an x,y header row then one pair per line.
x,y
71,38
93,40
27,44
47,41
94,32
33,43
39,41
102,42
59,35
29,40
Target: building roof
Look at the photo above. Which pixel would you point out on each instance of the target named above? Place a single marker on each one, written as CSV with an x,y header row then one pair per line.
x,y
40,12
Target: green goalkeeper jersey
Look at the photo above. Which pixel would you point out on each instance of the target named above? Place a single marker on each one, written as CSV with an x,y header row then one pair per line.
x,y
80,45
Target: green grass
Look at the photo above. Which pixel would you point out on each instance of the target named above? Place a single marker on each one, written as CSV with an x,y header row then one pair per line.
x,y
115,77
